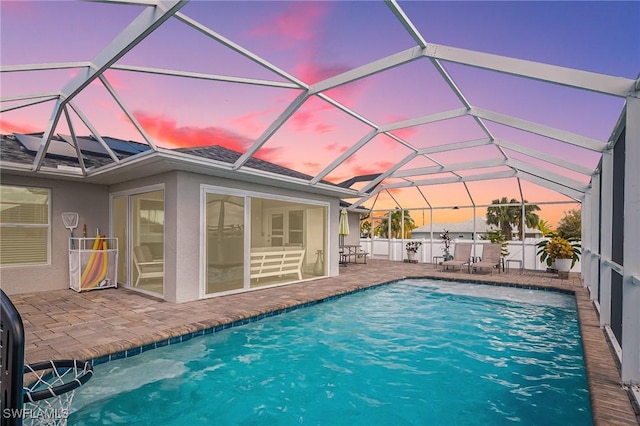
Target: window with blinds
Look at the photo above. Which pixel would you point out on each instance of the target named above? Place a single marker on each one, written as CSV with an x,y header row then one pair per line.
x,y
24,225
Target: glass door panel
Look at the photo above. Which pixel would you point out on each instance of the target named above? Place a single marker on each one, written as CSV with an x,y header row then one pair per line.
x,y
147,240
119,208
225,243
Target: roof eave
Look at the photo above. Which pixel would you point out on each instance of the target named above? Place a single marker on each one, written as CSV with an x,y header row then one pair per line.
x,y
151,163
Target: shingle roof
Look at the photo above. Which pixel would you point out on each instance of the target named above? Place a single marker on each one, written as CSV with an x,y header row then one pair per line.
x,y
12,150
226,155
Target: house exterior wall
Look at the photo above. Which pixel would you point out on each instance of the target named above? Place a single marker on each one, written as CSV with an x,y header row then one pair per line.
x,y
182,228
354,228
183,257
91,202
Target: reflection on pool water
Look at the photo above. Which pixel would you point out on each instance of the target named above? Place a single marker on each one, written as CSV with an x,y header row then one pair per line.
x,y
413,352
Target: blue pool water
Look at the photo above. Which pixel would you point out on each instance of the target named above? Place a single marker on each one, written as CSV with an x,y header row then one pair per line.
x,y
417,352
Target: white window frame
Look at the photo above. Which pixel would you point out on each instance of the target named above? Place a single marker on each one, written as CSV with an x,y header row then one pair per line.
x,y
30,225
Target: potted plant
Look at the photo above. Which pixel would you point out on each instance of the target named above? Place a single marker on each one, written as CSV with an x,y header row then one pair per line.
x,y
446,240
563,253
412,248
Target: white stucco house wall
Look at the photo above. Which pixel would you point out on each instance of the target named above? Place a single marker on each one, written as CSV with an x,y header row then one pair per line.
x,y
203,222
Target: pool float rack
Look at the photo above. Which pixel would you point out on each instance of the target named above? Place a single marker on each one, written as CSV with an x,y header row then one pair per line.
x,y
93,263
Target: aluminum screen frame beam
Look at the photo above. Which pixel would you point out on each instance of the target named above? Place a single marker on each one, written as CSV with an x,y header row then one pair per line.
x,y
600,83
540,129
450,168
545,157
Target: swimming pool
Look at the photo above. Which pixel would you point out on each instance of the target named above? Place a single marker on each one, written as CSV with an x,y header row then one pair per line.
x,y
412,352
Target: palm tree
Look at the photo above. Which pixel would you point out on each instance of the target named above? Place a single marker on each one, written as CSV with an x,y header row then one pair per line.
x,y
396,225
530,218
503,216
506,217
545,227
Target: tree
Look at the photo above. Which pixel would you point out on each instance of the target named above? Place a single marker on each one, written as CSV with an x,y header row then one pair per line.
x,y
507,216
530,218
570,225
365,228
396,225
545,227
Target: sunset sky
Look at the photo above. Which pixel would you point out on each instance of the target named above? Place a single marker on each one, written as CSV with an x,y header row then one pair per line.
x,y
313,41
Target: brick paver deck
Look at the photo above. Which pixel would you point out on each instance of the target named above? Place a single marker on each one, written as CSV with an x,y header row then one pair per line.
x,y
64,324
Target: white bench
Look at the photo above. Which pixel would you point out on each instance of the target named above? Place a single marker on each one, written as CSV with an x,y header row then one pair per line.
x,y
274,261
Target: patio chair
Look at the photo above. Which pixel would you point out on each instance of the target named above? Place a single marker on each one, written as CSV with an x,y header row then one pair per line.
x,y
461,257
145,265
491,255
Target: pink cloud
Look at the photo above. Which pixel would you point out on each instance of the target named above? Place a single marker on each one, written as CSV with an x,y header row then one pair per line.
x,y
105,105
336,147
115,79
73,73
323,128
17,7
7,127
301,119
310,165
165,129
296,23
405,133
377,167
307,116
311,72
252,122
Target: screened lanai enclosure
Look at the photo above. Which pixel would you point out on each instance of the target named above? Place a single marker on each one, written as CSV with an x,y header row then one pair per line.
x,y
431,107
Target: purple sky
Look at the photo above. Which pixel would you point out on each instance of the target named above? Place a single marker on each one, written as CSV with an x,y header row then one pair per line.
x,y
316,40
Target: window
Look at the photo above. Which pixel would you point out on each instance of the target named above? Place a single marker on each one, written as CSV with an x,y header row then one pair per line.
x,y
296,227
24,225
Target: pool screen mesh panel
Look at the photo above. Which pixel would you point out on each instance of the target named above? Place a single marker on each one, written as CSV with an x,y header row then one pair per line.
x,y
492,147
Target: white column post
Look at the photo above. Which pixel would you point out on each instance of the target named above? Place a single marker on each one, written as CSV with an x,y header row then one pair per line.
x,y
431,232
606,224
594,232
631,254
587,247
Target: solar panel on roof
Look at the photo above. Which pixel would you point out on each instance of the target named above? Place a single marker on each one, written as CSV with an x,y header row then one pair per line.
x,y
56,147
87,145
125,146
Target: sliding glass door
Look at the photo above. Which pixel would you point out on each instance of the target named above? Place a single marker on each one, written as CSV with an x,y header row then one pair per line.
x,y
251,240
138,223
224,245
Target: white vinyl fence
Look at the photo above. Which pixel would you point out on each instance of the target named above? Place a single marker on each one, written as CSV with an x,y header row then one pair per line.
x,y
394,249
